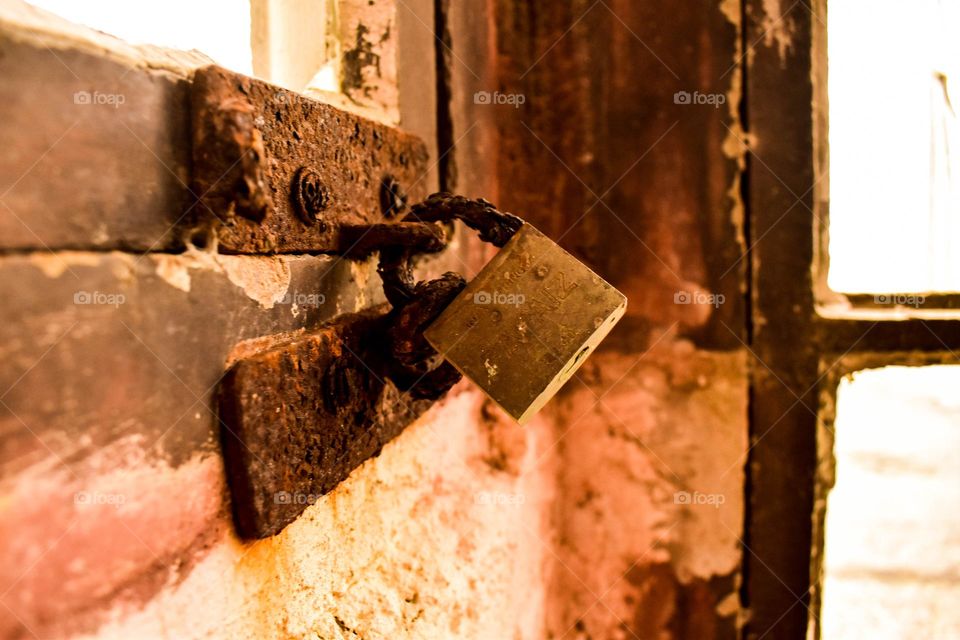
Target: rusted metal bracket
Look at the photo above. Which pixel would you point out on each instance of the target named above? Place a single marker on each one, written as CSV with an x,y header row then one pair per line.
x,y
277,172
300,417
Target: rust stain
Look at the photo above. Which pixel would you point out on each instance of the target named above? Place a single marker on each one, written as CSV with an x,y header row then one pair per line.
x,y
506,440
665,607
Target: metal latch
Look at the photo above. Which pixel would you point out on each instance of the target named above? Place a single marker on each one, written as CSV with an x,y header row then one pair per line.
x,y
275,176
300,417
277,172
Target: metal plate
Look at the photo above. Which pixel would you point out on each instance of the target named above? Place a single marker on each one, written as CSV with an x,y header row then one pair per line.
x,y
119,154
254,142
525,324
300,417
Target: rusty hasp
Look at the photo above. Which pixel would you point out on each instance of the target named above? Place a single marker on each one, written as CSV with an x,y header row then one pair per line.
x,y
298,418
278,172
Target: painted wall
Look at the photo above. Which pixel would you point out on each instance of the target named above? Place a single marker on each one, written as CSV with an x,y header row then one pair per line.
x,y
616,513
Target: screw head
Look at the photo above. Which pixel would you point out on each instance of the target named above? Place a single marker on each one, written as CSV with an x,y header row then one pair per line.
x,y
310,196
393,199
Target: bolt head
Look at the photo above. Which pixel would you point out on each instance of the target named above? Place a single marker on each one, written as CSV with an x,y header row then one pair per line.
x,y
393,200
310,196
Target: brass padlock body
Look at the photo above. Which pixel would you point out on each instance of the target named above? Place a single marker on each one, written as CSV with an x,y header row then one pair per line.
x,y
527,322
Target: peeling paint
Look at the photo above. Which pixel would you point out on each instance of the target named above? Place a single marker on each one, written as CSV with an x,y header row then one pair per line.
x,y
54,265
731,10
264,279
729,606
777,27
174,270
360,272
732,147
660,487
368,69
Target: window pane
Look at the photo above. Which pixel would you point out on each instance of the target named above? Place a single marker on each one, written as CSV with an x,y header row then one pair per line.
x,y
218,28
894,145
892,551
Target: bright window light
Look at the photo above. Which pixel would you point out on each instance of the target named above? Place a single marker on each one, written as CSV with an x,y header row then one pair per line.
x,y
894,142
892,536
218,28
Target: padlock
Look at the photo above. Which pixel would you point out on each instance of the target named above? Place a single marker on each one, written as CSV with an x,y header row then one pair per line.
x,y
526,323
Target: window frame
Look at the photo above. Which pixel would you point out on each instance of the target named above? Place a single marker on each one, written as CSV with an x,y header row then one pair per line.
x,y
831,303
826,472
804,337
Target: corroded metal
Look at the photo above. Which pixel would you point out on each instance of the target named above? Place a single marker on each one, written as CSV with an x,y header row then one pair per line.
x,y
525,324
495,227
297,419
359,241
310,196
416,366
418,233
230,166
300,417
393,199
250,139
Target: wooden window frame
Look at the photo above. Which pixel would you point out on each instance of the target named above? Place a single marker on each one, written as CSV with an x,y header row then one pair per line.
x,y
805,338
